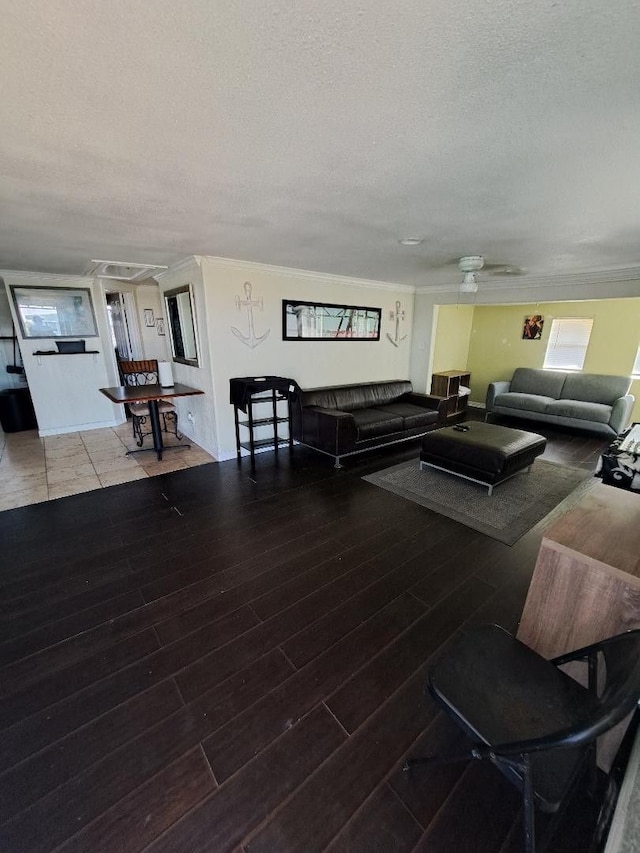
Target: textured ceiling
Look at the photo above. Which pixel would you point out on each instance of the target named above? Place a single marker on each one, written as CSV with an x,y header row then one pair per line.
x,y
316,134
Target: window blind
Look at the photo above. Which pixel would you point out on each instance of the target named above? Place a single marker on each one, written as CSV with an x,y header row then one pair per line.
x,y
568,342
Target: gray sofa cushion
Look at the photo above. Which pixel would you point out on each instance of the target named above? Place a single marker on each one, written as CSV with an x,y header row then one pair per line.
x,y
545,383
413,416
594,412
594,388
524,402
371,423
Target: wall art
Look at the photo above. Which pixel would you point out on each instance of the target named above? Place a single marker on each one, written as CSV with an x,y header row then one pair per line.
x,y
149,319
54,312
250,340
532,328
398,315
324,321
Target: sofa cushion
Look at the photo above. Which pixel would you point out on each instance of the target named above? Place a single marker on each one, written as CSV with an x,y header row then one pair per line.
x,y
523,402
371,423
412,416
595,412
347,398
545,383
595,388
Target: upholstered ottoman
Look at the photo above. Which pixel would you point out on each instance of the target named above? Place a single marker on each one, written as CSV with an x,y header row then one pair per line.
x,y
484,453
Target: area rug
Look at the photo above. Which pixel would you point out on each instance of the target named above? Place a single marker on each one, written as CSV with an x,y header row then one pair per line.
x,y
514,507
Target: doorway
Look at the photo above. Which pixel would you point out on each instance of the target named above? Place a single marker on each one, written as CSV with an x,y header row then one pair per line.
x,y
119,324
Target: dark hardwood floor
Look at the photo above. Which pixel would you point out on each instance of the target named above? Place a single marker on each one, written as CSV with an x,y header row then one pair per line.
x,y
203,661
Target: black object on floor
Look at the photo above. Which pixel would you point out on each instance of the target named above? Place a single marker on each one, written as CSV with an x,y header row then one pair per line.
x,y
16,410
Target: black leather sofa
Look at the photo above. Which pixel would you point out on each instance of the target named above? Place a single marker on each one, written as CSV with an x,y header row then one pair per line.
x,y
347,419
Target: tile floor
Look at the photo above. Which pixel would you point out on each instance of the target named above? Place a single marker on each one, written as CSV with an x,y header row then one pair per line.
x,y
34,469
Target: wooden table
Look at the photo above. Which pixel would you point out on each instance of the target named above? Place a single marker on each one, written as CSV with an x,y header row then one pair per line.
x,y
586,581
150,394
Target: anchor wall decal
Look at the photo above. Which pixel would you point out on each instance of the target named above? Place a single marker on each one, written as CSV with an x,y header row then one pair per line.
x,y
399,315
251,340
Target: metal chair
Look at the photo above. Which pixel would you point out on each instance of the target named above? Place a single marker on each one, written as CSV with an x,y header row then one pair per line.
x,y
533,721
145,372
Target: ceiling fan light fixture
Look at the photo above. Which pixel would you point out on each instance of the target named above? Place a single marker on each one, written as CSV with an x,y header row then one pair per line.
x,y
469,266
469,283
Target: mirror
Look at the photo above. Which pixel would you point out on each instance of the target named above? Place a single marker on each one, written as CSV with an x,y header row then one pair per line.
x,y
182,325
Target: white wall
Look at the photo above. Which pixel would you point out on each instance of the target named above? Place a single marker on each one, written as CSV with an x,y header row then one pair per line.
x,y
202,429
310,363
147,296
65,388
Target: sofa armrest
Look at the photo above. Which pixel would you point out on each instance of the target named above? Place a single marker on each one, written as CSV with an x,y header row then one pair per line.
x,y
493,390
621,413
428,401
331,430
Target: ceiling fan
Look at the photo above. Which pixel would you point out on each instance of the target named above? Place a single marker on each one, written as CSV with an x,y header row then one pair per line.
x,y
472,264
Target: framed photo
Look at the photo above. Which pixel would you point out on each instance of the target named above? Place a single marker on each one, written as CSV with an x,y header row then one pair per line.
x,y
160,325
532,328
54,312
149,319
324,321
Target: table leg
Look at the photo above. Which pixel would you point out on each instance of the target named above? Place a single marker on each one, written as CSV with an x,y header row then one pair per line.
x,y
154,417
156,432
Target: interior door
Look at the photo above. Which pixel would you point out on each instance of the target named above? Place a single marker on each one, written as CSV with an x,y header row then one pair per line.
x,y
120,335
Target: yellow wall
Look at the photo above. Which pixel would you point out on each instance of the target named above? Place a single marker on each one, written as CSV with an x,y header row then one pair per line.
x,y
496,345
451,348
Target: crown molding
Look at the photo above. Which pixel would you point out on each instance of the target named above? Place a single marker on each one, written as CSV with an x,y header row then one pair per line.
x,y
309,275
523,282
189,262
21,275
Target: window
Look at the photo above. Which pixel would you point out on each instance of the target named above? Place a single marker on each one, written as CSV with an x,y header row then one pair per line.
x,y
568,342
636,365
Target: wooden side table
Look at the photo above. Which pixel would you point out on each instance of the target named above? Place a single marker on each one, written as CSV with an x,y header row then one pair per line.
x,y
586,582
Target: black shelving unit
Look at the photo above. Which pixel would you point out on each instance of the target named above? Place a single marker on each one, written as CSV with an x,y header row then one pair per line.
x,y
258,397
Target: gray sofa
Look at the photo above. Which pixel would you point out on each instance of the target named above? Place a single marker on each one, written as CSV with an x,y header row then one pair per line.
x,y
583,400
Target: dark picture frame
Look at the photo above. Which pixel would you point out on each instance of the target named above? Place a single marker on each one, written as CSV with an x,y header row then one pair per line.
x,y
149,319
160,325
327,321
532,327
54,312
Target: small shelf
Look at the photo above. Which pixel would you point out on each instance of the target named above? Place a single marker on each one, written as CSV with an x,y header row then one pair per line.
x,y
53,352
265,421
447,384
261,443
251,395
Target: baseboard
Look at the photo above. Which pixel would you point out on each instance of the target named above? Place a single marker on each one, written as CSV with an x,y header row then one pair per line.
x,y
78,428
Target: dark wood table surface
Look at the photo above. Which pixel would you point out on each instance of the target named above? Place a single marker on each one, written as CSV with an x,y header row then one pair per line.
x,y
144,393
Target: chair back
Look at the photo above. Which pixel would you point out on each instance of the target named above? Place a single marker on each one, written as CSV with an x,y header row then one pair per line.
x,y
615,678
141,372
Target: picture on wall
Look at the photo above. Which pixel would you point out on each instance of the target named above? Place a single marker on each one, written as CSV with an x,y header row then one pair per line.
x,y
149,319
532,329
160,325
54,312
319,321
